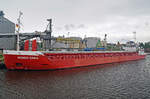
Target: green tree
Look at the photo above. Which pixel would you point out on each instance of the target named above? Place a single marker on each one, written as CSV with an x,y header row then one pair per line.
x,y
141,45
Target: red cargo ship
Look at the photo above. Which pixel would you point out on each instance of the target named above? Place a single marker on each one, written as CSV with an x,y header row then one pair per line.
x,y
38,60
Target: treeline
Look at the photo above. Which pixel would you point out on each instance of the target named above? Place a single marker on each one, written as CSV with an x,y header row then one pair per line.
x,y
146,46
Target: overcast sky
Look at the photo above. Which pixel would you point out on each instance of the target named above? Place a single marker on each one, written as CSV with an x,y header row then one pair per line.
x,y
117,18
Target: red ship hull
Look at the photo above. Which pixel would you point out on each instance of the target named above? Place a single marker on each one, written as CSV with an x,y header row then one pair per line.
x,y
35,60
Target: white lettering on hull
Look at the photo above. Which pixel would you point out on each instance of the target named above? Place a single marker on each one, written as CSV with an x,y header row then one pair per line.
x,y
23,57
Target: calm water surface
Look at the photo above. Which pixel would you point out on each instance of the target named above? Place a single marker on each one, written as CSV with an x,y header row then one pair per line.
x,y
128,80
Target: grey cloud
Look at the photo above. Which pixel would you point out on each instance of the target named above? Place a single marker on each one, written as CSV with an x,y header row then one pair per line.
x,y
81,26
73,26
83,16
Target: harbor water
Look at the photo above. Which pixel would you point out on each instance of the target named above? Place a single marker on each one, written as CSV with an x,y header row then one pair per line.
x,y
126,80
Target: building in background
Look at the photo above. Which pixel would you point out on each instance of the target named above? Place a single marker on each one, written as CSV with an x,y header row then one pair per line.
x,y
91,42
7,27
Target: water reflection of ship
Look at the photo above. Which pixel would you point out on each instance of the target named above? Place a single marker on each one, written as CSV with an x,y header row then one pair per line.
x,y
18,76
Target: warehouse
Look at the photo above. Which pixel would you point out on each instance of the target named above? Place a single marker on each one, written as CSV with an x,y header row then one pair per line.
x,y
7,27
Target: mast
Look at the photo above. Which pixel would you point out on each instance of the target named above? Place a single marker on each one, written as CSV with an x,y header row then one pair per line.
x,y
49,33
18,26
134,36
